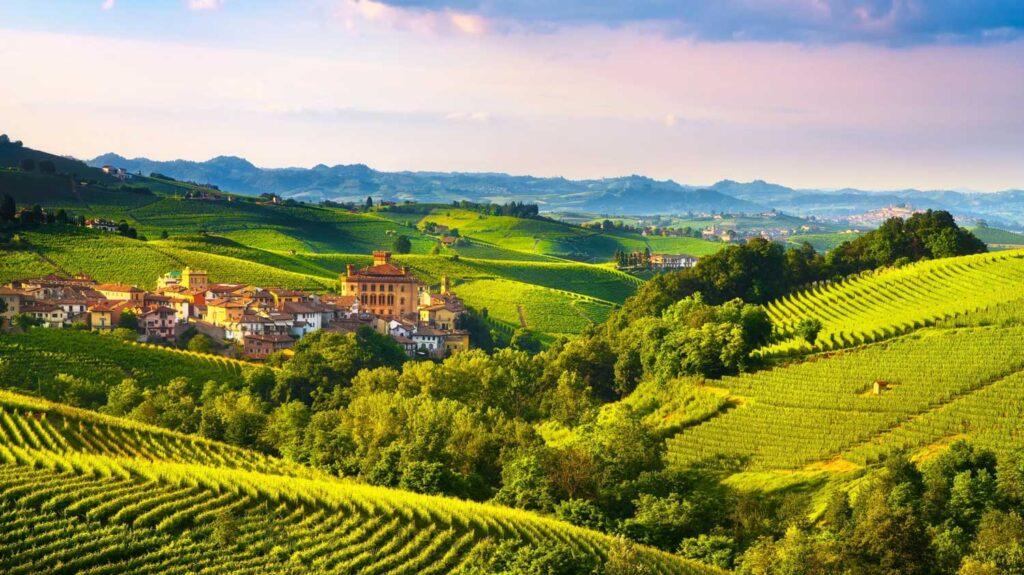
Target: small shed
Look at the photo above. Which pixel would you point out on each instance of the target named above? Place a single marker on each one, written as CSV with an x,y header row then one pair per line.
x,y
880,386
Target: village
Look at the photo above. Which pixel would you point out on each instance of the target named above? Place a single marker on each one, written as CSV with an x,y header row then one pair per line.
x,y
259,321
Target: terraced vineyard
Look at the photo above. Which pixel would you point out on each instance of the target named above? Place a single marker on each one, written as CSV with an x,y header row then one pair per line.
x,y
812,411
28,361
83,494
880,305
542,309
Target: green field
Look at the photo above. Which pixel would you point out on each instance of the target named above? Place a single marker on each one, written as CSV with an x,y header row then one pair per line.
x,y
997,238
89,494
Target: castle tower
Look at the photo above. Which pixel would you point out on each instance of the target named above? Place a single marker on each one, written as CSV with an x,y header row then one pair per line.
x,y
446,285
381,258
194,279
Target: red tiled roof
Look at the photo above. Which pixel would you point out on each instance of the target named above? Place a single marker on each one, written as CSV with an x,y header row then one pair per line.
x,y
118,288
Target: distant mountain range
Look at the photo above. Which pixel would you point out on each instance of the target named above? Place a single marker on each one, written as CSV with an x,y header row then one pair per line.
x,y
629,195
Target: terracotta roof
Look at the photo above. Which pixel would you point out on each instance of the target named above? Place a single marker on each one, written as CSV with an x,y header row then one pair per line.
x,y
118,288
296,307
160,309
387,270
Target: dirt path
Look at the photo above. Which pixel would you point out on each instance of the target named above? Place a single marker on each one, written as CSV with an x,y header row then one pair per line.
x,y
522,316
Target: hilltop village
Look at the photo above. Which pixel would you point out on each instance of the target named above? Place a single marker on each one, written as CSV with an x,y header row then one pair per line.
x,y
261,320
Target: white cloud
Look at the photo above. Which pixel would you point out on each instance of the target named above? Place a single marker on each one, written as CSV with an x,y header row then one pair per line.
x,y
204,4
476,117
108,4
446,21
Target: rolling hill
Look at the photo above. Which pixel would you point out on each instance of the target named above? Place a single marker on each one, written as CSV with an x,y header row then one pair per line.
x,y
85,493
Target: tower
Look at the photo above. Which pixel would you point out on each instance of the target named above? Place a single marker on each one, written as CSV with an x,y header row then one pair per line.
x,y
195,280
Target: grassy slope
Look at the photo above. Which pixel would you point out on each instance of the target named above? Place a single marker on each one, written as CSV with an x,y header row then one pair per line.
x,y
124,497
997,237
822,242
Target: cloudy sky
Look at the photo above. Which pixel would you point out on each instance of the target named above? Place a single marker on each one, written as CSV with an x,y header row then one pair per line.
x,y
877,94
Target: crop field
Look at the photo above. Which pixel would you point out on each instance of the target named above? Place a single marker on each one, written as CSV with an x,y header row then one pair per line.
x,y
544,310
879,305
86,495
32,360
811,411
679,245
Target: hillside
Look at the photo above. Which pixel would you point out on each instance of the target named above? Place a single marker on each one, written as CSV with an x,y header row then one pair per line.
x,y
307,247
813,412
997,238
626,195
884,303
89,494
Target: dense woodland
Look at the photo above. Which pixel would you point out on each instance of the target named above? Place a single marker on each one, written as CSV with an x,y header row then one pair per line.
x,y
480,425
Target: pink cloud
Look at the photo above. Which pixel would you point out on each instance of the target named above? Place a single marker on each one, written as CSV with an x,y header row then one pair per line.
x,y
204,4
357,12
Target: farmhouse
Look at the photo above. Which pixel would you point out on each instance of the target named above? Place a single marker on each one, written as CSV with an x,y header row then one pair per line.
x,y
101,225
673,261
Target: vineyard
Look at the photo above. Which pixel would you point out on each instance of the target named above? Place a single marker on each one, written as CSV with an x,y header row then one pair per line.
x,y
810,412
544,310
86,494
28,361
879,305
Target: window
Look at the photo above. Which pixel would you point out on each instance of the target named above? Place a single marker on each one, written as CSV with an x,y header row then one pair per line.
x,y
391,288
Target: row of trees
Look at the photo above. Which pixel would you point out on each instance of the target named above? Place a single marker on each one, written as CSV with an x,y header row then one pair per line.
x,y
513,209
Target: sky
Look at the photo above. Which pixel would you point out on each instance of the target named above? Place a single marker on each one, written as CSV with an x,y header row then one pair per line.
x,y
874,94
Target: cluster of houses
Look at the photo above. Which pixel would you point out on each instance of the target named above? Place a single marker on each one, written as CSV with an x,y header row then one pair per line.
x,y
265,320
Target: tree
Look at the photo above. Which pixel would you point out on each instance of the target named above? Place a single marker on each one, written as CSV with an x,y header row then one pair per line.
x,y
369,202
402,245
808,329
201,343
28,165
164,235
129,320
47,167
7,209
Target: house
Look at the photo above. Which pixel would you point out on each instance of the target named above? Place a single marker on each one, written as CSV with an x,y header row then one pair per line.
x,y
12,299
673,261
224,291
224,311
159,323
121,292
408,345
449,241
456,342
307,317
51,315
101,317
259,346
383,289
101,224
441,316
426,337
282,296
119,173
